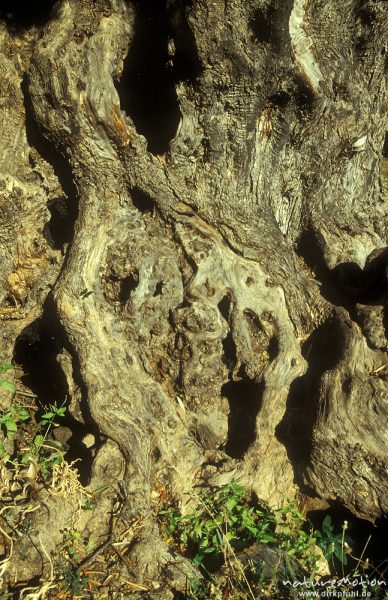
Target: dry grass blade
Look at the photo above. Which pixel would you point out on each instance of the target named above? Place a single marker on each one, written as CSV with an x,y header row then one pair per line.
x,y
39,593
230,549
137,586
4,563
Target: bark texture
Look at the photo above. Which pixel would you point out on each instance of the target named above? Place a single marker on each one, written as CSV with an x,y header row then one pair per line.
x,y
222,299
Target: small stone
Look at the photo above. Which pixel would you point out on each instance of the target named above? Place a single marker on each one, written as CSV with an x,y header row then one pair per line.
x,y
62,434
89,440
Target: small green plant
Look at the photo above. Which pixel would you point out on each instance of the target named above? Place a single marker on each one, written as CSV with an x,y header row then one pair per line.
x,y
89,504
226,517
197,588
333,544
42,450
9,424
75,546
46,451
10,418
225,523
46,423
74,581
296,536
74,549
4,383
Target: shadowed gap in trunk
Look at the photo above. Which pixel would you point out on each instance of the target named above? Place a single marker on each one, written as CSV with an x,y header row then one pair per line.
x,y
269,25
347,283
385,147
127,286
35,353
322,350
230,354
23,14
309,249
358,531
186,65
142,201
245,399
146,88
64,210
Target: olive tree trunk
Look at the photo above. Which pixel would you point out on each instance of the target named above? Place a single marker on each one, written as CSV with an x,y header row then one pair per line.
x,y
222,295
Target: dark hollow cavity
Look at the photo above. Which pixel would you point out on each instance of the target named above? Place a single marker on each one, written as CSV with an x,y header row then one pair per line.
x,y
269,25
347,283
185,62
224,307
127,286
260,24
64,211
385,146
35,352
322,350
303,95
280,99
273,348
23,14
146,89
158,289
142,201
309,248
245,399
60,229
358,531
230,352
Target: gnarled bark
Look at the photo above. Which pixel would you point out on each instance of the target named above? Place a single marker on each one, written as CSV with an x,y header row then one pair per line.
x,y
234,282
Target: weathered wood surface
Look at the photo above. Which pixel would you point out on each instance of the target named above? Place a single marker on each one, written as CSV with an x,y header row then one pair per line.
x,y
248,257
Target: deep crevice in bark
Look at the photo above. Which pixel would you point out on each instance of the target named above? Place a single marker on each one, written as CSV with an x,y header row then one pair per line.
x,y
269,25
385,147
322,350
230,352
77,451
261,25
364,21
127,286
273,348
79,429
9,302
186,65
304,97
366,285
359,531
245,399
309,249
346,284
224,307
60,229
35,351
146,88
64,211
24,14
118,289
158,289
142,201
280,99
